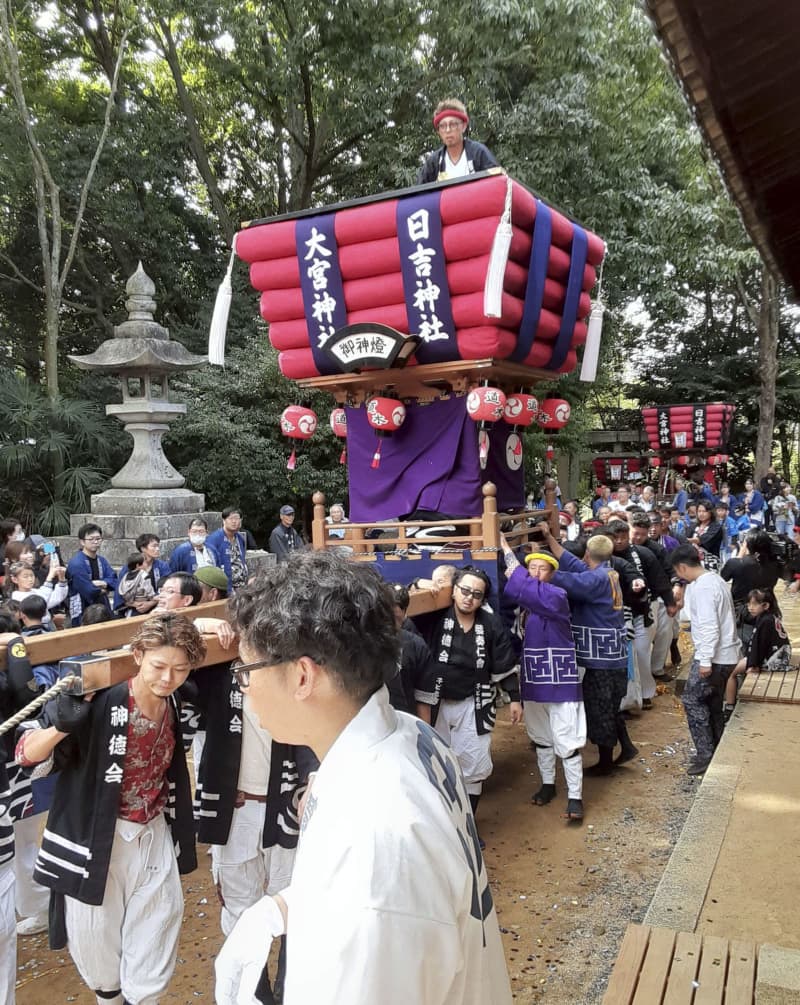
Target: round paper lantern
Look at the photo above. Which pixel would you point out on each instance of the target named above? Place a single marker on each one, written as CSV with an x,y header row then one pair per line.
x,y
520,409
655,462
385,415
486,404
297,423
339,427
549,451
554,413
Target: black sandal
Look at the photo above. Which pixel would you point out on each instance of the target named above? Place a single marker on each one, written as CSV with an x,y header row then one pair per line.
x,y
574,810
545,795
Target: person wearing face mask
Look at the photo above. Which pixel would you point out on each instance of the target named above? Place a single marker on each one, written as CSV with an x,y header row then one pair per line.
x,y
10,530
195,553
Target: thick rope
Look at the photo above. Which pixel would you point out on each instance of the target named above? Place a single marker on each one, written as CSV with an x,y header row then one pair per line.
x,y
36,704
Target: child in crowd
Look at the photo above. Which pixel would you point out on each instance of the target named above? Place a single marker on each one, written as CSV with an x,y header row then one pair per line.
x,y
729,532
135,585
53,591
769,648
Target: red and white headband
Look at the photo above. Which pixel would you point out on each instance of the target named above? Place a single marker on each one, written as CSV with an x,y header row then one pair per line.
x,y
450,113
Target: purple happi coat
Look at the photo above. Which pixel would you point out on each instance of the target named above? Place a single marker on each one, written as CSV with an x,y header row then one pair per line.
x,y
549,668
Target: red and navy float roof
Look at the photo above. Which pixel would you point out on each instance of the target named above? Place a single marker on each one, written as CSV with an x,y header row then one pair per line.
x,y
699,428
417,259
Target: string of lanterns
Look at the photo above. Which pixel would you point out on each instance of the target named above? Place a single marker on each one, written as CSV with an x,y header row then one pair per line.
x,y
485,405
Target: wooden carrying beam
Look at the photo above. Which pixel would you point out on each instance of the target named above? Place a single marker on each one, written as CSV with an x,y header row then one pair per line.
x,y
107,663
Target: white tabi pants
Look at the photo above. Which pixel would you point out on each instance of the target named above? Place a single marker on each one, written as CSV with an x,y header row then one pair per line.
x,y
130,942
559,730
32,899
244,871
455,724
662,636
8,935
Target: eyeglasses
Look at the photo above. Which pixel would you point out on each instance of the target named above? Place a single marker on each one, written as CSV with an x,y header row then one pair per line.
x,y
449,125
241,671
93,539
466,593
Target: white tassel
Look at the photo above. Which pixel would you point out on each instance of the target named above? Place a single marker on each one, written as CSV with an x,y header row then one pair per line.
x,y
591,351
496,272
219,319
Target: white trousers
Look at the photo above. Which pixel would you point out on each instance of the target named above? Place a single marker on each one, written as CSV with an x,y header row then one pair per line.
x,y
130,942
559,730
662,636
455,724
8,935
32,898
642,643
244,871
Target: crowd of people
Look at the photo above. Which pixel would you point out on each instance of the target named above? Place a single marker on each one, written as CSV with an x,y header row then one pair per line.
x,y
572,631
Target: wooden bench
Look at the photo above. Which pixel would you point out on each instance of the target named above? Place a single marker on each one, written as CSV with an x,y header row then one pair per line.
x,y
783,688
658,966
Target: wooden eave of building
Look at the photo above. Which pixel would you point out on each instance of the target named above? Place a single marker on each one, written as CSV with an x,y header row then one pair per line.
x,y
737,61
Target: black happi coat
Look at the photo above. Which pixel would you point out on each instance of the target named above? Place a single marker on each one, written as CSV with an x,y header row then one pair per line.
x,y
219,697
490,644
76,846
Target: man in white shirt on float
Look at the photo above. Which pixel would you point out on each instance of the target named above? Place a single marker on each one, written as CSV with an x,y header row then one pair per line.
x,y
389,901
708,603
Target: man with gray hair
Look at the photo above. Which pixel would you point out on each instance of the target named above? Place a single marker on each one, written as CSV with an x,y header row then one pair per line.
x,y
598,629
389,900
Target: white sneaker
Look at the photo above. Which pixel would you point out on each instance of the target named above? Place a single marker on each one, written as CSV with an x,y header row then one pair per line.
x,y
33,925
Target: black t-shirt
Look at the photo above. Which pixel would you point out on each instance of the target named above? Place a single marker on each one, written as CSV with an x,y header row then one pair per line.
x,y
746,574
94,565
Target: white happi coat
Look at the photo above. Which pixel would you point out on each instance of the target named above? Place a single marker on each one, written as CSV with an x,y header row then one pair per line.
x,y
389,901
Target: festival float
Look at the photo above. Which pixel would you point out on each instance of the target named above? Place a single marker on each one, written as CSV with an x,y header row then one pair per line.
x,y
429,314
690,441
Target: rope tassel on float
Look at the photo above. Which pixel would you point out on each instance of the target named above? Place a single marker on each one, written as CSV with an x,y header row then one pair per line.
x,y
594,333
219,319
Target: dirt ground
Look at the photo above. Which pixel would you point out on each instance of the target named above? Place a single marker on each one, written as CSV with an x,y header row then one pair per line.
x,y
564,893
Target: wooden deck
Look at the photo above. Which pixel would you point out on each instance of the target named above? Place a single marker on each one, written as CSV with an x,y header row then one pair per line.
x,y
775,687
657,966
783,688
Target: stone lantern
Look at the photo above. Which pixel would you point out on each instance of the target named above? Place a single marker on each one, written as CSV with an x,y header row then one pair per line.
x,y
147,494
143,356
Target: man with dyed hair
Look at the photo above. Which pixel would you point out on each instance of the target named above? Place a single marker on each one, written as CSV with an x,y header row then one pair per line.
x,y
457,156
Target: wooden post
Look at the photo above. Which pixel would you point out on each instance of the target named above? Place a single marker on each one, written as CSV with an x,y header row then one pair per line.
x,y
491,534
318,531
550,501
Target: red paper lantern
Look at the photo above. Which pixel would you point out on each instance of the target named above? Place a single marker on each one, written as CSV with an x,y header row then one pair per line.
x,y
520,409
385,415
297,423
339,427
554,413
549,451
655,462
486,404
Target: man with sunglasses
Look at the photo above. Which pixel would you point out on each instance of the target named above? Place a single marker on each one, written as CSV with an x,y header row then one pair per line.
x,y
474,654
457,155
389,900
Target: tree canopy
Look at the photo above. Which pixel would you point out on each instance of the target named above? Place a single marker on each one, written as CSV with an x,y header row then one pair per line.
x,y
223,113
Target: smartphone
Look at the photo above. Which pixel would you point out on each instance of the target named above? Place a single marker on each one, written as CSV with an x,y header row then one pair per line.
x,y
49,547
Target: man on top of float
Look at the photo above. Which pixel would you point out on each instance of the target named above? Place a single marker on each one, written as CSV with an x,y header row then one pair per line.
x,y
458,156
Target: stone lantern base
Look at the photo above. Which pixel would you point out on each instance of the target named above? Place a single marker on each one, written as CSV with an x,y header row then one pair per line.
x,y
124,514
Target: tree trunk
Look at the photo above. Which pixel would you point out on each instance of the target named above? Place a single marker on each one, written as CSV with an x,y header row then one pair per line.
x,y
768,316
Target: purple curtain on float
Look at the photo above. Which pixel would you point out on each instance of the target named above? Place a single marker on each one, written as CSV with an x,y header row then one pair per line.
x,y
430,463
